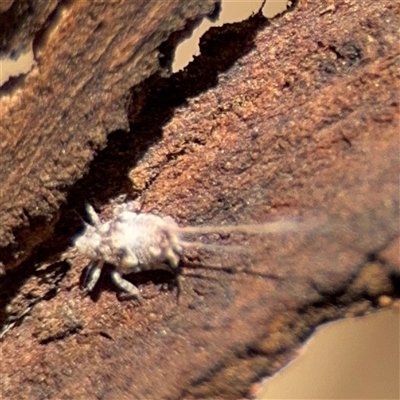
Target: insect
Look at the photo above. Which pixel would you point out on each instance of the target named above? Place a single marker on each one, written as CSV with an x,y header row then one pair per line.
x,y
134,242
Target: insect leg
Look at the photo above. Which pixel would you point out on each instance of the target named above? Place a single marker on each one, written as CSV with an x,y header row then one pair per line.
x,y
94,218
173,263
92,276
125,285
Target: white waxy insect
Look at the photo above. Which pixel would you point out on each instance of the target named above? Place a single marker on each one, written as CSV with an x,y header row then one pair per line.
x,y
134,242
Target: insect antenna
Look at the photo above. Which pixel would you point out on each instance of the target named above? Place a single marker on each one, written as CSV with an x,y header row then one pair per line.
x,y
251,229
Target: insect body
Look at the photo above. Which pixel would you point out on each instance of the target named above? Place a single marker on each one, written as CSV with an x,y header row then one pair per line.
x,y
135,242
131,242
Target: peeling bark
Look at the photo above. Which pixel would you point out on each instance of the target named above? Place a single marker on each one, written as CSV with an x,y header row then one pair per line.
x,y
58,116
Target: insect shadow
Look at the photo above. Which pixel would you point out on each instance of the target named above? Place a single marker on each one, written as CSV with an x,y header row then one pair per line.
x,y
159,277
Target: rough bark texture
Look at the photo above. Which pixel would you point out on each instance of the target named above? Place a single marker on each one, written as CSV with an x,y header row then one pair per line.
x,y
20,21
88,55
294,117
